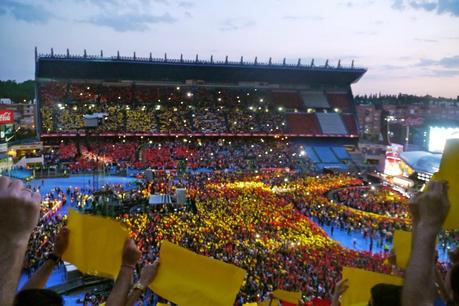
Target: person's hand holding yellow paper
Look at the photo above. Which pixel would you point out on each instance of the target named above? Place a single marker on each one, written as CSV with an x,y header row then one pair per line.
x,y
360,283
95,244
186,278
449,171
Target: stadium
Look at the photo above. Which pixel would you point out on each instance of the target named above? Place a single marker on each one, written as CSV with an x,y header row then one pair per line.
x,y
253,165
142,103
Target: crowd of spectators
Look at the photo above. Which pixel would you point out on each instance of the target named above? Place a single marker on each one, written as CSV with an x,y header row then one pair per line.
x,y
381,200
249,220
48,226
159,109
378,229
196,153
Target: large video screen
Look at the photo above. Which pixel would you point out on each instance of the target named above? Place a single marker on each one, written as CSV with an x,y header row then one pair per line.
x,y
438,137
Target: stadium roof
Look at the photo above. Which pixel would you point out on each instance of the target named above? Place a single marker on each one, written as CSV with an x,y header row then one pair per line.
x,y
116,69
422,161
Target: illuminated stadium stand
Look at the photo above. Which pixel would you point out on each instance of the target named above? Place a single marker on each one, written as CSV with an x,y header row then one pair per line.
x,y
124,87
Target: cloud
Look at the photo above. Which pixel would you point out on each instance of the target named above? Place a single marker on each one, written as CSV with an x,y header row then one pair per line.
x,y
444,73
439,6
25,12
446,62
452,61
296,18
185,4
188,14
448,6
428,6
398,5
131,22
234,24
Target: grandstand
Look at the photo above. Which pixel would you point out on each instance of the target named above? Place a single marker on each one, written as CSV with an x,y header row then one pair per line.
x,y
138,101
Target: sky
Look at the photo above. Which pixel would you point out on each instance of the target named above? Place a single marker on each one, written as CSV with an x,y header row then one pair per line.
x,y
408,46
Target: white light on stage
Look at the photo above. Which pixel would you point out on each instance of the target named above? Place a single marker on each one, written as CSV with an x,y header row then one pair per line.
x,y
439,135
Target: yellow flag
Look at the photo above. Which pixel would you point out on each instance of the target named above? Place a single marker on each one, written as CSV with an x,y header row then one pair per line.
x,y
95,244
449,171
361,282
402,248
186,278
287,296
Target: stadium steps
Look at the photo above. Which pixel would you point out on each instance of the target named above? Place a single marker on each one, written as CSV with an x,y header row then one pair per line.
x,y
326,155
314,99
331,123
312,154
341,153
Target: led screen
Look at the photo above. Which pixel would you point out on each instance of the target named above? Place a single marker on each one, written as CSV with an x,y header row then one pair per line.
x,y
438,137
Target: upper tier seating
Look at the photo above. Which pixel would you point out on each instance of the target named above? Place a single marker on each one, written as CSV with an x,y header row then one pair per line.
x,y
288,99
340,101
331,123
301,123
314,99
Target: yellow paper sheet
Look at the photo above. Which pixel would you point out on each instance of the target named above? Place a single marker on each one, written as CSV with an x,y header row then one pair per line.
x,y
187,278
273,302
449,170
402,248
361,282
95,244
287,296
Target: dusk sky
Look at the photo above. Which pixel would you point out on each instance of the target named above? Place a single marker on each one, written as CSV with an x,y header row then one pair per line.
x,y
408,46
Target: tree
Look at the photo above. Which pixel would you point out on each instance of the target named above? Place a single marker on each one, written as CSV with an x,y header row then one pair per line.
x,y
17,92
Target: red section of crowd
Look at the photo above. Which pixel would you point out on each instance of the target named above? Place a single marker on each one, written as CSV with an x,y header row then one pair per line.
x,y
222,154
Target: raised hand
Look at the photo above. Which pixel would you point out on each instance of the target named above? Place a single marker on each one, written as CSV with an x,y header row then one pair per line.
x,y
20,210
62,242
148,273
431,208
130,254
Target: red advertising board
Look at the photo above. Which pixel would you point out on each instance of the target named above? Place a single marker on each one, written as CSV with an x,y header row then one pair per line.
x,y
6,116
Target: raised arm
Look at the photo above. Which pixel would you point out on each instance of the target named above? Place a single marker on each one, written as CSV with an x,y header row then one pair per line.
x,y
429,210
19,213
146,277
131,255
340,288
40,277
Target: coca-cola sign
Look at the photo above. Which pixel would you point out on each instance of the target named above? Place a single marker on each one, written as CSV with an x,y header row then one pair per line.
x,y
6,116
